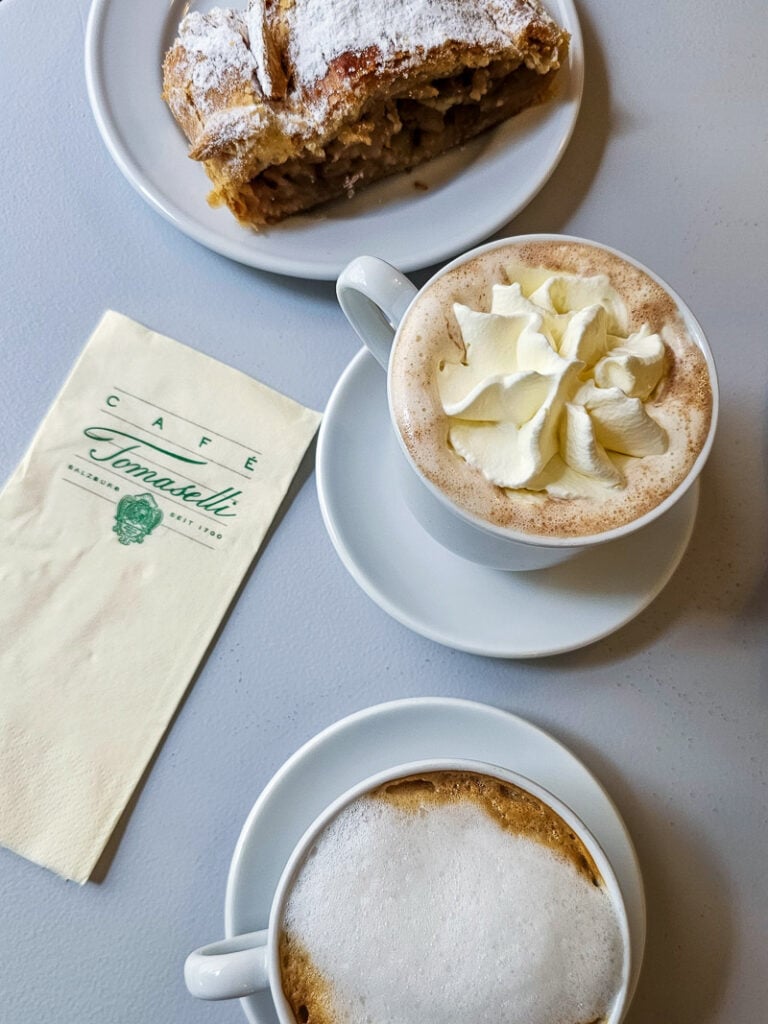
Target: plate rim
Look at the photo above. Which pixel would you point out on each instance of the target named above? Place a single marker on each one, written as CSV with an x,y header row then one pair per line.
x,y
318,268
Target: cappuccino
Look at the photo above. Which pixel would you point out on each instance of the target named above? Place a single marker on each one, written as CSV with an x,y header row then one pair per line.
x,y
450,897
550,387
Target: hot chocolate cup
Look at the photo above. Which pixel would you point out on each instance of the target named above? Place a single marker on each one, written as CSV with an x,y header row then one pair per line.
x,y
378,300
245,964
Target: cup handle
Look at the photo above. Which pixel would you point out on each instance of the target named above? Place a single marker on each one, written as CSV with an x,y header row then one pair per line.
x,y
374,297
228,969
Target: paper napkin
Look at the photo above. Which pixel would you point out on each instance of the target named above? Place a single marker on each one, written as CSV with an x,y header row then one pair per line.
x,y
124,535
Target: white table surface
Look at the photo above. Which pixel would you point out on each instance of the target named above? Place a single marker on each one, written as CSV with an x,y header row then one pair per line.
x,y
668,163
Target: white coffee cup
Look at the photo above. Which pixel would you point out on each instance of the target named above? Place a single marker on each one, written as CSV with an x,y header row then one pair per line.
x,y
245,964
375,298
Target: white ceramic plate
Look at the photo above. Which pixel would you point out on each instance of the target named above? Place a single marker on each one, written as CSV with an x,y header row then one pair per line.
x,y
446,598
472,192
382,737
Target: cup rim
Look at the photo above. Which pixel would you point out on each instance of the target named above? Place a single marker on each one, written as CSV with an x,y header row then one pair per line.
x,y
534,540
622,997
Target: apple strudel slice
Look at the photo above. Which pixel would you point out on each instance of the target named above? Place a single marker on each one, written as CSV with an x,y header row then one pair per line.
x,y
295,102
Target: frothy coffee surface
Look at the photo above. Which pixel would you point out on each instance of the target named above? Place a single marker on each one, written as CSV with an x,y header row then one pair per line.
x,y
450,898
431,355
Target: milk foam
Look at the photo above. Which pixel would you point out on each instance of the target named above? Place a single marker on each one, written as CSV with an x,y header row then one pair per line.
x,y
439,915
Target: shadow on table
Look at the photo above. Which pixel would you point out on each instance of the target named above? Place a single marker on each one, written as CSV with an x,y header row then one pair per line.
x,y
571,181
723,577
303,473
690,940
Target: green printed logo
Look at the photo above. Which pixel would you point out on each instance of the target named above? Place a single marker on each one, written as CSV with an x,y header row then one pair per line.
x,y
222,503
136,517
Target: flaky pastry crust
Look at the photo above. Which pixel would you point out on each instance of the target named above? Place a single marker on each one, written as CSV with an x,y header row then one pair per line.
x,y
295,102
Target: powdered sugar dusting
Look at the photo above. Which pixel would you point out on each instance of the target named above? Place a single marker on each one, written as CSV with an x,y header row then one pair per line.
x,y
233,124
218,52
226,61
325,29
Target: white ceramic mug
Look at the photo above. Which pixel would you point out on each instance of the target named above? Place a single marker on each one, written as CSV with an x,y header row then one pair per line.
x,y
249,963
375,298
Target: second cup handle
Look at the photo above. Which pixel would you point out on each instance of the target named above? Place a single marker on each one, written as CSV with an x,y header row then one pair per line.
x,y
374,297
229,969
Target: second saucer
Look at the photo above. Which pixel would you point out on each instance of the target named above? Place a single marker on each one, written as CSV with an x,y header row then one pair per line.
x,y
447,598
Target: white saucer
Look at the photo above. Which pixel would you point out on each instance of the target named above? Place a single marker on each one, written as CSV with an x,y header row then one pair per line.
x,y
446,598
390,734
471,192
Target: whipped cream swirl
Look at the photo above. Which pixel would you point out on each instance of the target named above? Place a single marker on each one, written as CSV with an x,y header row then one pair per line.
x,y
550,394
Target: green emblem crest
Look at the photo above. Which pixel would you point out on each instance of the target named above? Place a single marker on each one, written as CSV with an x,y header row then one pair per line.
x,y
136,517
